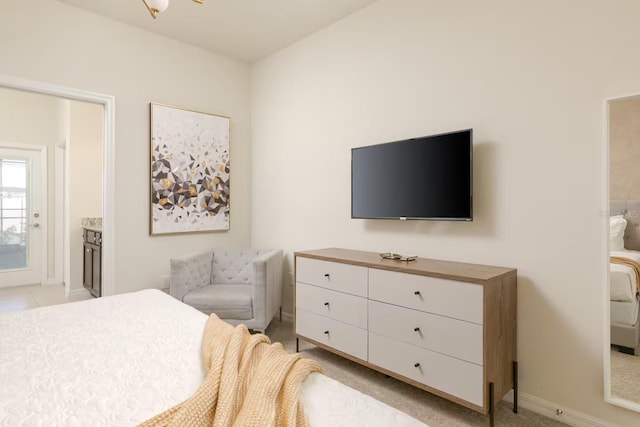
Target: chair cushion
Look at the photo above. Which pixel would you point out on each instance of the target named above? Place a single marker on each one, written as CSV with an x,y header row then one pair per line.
x,y
233,266
226,301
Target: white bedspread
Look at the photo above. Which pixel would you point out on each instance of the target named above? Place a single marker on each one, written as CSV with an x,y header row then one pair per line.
x,y
622,278
117,361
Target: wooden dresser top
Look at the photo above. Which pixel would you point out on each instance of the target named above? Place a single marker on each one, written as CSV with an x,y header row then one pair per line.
x,y
475,273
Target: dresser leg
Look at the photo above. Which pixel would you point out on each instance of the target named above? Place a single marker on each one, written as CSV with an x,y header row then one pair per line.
x,y
491,408
297,346
515,387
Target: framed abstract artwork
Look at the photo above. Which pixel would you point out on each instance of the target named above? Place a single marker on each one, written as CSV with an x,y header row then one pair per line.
x,y
189,171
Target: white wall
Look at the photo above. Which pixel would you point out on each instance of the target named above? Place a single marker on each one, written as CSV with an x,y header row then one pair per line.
x,y
85,147
530,79
33,119
48,41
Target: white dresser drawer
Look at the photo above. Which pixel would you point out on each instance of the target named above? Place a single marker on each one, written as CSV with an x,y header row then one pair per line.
x,y
448,374
351,279
343,337
453,337
450,298
346,308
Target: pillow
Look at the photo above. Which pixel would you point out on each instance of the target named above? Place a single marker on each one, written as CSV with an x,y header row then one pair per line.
x,y
617,225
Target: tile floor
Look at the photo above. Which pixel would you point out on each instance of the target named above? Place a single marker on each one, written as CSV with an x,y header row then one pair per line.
x,y
25,297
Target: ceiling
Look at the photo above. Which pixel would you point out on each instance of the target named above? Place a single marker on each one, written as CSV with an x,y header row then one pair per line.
x,y
247,30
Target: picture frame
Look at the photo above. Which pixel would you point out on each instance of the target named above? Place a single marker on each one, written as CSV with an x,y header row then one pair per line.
x,y
190,171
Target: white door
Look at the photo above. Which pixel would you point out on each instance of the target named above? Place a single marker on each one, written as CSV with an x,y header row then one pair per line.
x,y
22,218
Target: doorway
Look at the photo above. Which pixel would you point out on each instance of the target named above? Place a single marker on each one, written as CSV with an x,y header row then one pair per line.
x,y
108,162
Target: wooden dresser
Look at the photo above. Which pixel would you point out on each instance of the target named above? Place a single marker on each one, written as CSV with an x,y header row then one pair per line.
x,y
446,327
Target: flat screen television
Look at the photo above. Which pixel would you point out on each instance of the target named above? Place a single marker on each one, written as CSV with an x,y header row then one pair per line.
x,y
419,178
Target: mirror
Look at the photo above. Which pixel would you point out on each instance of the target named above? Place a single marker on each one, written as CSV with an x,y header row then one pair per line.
x,y
622,320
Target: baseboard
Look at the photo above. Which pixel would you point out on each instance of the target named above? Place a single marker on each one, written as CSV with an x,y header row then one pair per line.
x,y
555,411
288,317
78,292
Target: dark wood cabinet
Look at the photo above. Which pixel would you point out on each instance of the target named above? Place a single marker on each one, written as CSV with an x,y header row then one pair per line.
x,y
92,270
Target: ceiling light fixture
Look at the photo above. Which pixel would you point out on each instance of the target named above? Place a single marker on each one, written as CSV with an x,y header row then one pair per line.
x,y
158,6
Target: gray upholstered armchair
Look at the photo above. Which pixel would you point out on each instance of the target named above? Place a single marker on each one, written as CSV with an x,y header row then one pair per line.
x,y
239,286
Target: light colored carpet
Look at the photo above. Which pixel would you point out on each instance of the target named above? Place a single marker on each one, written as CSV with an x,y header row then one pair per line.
x,y
625,376
426,407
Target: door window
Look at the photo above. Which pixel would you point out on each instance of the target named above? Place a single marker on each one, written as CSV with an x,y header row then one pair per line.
x,y
13,214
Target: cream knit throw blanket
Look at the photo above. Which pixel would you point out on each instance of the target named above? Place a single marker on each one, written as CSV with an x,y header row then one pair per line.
x,y
250,382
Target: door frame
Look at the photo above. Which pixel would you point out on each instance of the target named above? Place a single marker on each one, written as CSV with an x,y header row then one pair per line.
x,y
41,151
108,162
606,289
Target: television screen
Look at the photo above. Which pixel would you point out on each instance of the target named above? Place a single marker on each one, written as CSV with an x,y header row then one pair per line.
x,y
420,178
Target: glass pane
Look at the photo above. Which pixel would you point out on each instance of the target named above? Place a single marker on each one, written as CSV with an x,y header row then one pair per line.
x,y
13,214
14,174
12,226
13,202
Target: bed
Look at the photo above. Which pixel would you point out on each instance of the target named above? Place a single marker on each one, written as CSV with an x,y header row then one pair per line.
x,y
624,301
119,360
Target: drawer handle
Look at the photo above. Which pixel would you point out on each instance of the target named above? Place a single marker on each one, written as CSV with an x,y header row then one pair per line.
x,y
416,329
417,365
326,304
416,293
326,275
326,332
